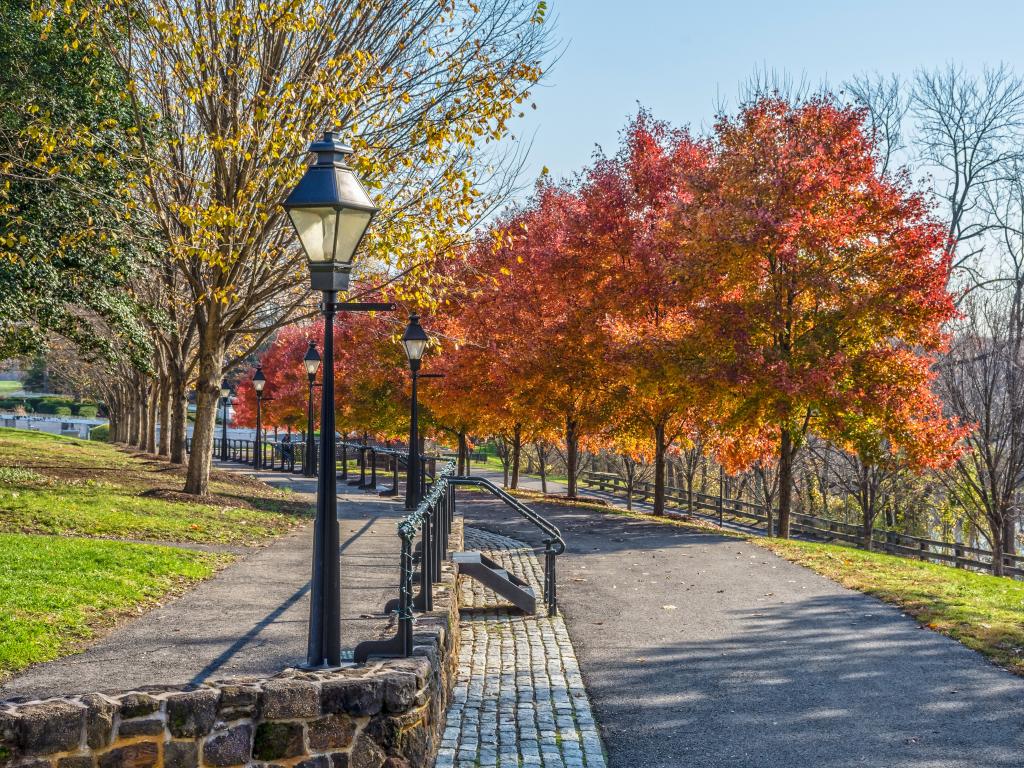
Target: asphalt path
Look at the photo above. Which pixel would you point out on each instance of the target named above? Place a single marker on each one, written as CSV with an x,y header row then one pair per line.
x,y
699,649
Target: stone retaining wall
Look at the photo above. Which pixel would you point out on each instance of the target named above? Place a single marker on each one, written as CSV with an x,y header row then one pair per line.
x,y
386,714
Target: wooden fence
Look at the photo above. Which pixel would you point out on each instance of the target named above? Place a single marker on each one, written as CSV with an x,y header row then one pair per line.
x,y
755,516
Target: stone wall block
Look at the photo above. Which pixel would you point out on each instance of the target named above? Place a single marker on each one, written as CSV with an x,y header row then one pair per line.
x,y
137,704
99,719
230,747
181,754
402,735
290,699
330,732
8,737
238,701
400,690
140,727
277,741
50,726
192,714
366,754
145,754
356,696
76,761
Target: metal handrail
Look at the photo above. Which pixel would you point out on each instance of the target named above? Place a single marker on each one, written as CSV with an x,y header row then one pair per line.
x,y
546,526
554,545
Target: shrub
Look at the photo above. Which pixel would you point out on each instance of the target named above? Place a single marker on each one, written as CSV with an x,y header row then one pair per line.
x,y
87,411
100,432
62,410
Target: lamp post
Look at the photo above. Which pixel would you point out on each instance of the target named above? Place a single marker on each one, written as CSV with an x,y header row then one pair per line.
x,y
225,394
415,341
312,363
259,381
331,212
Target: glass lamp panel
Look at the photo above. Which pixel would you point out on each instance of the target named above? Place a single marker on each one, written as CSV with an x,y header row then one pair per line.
x,y
225,391
312,366
352,225
414,348
315,228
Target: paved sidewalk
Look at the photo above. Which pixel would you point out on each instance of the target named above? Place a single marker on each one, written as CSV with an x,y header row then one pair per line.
x,y
250,619
519,698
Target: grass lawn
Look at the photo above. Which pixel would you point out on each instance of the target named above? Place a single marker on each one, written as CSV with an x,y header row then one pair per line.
x,y
56,593
63,486
494,463
6,387
71,514
983,612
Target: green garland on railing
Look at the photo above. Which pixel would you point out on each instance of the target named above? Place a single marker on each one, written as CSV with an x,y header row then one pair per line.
x,y
412,522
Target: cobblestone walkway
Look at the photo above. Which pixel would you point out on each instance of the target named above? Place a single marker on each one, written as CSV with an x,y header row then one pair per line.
x,y
519,699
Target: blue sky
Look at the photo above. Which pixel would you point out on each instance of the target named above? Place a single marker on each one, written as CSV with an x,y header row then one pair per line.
x,y
681,59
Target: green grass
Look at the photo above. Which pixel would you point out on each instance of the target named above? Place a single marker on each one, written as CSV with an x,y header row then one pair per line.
x,y
6,387
82,488
983,612
494,463
57,593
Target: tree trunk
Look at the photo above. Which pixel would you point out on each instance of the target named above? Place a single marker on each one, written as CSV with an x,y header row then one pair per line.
x,y
572,447
785,482
154,401
997,550
197,479
866,527
164,446
659,469
464,448
542,460
1010,534
517,451
143,407
133,415
179,417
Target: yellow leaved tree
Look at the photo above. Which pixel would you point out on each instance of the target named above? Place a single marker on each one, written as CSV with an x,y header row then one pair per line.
x,y
231,93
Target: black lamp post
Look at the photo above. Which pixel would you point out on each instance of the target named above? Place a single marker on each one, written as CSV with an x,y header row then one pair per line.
x,y
312,362
259,381
331,212
225,396
415,341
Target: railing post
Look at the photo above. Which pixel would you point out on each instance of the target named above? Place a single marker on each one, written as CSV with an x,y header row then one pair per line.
x,y
344,461
721,496
373,468
552,584
405,597
426,602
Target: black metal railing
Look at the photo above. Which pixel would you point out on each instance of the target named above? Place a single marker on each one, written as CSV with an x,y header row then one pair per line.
x,y
433,520
755,516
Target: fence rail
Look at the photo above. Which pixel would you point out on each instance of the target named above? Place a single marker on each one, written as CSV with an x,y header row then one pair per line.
x,y
737,511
